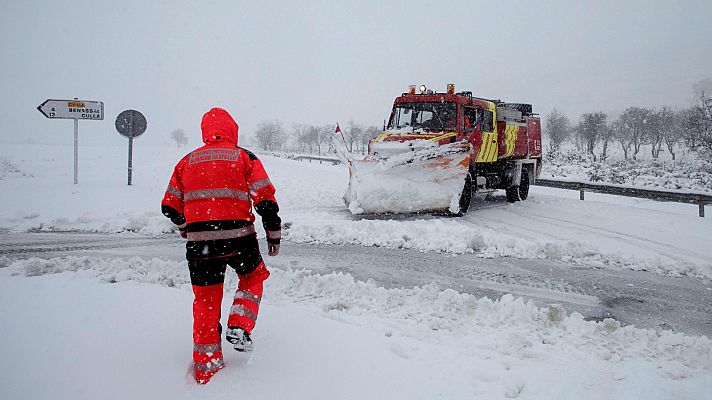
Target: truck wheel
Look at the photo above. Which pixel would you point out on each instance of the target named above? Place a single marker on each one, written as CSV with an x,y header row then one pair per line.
x,y
521,192
513,194
524,185
466,196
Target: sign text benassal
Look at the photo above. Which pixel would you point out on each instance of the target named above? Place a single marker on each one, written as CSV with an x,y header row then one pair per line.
x,y
72,109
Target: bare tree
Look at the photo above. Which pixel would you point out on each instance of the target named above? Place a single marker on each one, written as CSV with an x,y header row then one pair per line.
x,y
299,135
319,137
668,127
703,86
326,132
311,134
656,130
558,129
270,135
676,133
605,137
698,123
179,137
592,129
353,134
623,134
635,124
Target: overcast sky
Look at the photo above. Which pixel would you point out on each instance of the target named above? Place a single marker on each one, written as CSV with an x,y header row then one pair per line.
x,y
328,61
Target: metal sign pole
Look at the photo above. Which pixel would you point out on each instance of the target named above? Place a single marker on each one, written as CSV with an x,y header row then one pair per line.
x,y
76,151
132,124
130,158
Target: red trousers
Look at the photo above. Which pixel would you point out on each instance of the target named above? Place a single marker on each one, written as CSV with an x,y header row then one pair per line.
x,y
207,277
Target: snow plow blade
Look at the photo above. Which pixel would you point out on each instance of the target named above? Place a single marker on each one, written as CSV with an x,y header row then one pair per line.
x,y
429,180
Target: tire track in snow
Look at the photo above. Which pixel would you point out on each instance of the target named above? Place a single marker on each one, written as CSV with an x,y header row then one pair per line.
x,y
579,229
636,241
500,227
524,285
42,244
527,285
519,231
44,247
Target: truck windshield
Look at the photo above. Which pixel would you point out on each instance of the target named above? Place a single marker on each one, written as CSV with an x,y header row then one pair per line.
x,y
438,116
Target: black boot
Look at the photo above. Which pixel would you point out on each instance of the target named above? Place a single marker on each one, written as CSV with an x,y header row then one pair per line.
x,y
240,339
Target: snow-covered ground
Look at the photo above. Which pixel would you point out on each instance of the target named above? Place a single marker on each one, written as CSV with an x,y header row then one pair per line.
x,y
603,231
88,328
82,327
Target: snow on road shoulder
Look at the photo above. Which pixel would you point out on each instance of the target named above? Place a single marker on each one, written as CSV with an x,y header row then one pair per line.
x,y
46,199
318,334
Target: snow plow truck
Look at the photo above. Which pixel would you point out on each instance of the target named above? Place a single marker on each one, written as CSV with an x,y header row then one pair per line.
x,y
438,150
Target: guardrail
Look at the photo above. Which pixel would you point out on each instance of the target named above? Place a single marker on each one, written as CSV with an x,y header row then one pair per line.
x,y
320,159
658,195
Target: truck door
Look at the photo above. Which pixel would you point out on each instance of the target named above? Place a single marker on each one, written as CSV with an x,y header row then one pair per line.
x,y
487,151
471,129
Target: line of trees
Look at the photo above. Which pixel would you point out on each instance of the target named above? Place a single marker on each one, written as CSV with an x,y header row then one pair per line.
x,y
312,139
634,128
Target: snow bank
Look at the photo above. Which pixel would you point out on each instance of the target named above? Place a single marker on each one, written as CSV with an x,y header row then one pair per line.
x,y
688,175
420,310
498,348
487,240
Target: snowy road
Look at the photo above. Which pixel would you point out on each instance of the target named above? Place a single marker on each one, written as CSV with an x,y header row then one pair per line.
x,y
644,299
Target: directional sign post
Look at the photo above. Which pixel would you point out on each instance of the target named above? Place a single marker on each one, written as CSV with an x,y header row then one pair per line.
x,y
73,109
131,123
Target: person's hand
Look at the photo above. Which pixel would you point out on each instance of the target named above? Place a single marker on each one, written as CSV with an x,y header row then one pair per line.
x,y
272,249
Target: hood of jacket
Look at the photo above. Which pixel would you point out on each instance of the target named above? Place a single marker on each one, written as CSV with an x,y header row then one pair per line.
x,y
219,126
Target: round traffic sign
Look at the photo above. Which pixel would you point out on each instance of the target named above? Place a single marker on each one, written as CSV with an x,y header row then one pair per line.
x,y
131,123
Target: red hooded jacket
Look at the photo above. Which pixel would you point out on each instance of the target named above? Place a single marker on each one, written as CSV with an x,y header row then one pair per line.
x,y
212,190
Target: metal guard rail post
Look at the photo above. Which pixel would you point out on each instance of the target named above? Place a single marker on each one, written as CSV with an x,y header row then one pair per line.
x,y
658,195
320,159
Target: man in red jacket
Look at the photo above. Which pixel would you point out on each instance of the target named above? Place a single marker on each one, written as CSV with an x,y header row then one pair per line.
x,y
210,198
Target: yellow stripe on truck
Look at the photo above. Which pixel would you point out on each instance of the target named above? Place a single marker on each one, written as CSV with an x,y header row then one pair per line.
x,y
511,134
488,150
384,135
494,147
444,136
380,137
489,139
484,149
